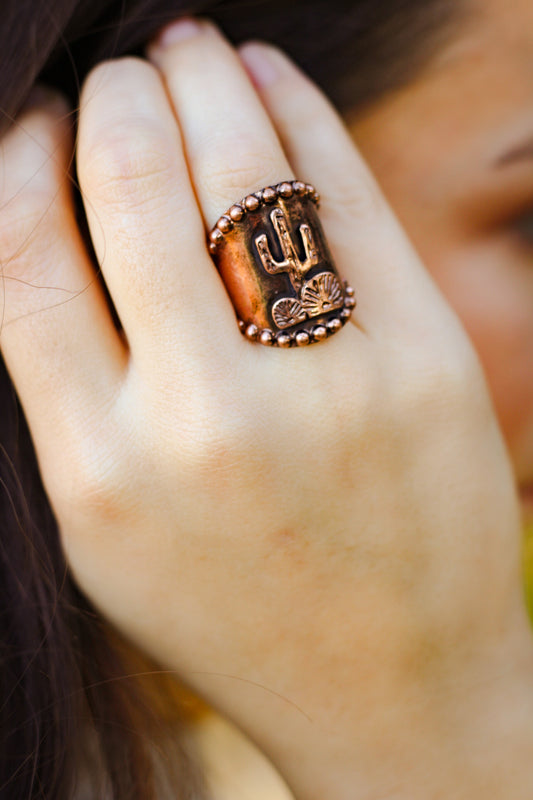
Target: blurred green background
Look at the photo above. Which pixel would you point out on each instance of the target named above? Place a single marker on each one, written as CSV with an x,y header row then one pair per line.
x,y
528,567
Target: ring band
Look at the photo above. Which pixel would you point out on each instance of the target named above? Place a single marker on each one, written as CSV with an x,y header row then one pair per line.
x,y
271,252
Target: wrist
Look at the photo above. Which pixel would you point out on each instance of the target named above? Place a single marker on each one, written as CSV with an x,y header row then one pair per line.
x,y
466,738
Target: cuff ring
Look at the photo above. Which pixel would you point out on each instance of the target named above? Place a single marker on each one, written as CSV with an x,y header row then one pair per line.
x,y
271,252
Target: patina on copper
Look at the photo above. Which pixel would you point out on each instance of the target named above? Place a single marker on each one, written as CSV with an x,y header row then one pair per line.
x,y
272,255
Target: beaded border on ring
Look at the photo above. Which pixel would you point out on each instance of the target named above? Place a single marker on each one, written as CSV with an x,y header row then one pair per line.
x,y
226,222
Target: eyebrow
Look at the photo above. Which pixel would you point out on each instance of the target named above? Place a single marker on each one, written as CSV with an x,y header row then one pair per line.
x,y
521,152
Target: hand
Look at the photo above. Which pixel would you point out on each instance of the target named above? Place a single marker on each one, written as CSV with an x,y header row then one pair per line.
x,y
323,542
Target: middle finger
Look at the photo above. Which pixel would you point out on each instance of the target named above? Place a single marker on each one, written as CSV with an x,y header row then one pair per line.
x,y
231,144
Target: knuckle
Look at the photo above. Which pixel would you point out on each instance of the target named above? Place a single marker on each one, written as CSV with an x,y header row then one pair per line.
x,y
97,499
255,167
132,163
95,487
360,198
447,382
355,195
34,195
37,146
30,229
125,151
215,441
210,449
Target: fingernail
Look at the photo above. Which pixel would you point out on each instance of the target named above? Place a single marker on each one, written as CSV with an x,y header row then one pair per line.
x,y
259,63
178,31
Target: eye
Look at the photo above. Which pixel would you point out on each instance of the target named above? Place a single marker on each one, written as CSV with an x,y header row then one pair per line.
x,y
523,227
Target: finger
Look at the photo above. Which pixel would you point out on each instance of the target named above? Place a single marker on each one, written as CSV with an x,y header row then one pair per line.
x,y
57,335
370,248
231,145
143,215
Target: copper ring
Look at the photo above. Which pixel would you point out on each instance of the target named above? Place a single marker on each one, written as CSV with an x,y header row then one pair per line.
x,y
271,252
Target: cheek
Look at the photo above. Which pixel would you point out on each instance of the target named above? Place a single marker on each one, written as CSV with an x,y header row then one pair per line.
x,y
494,299
483,277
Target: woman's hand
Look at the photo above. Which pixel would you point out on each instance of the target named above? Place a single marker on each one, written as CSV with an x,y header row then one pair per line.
x,y
324,542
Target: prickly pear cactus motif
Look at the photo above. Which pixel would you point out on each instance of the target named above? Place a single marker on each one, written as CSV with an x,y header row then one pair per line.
x,y
321,294
288,311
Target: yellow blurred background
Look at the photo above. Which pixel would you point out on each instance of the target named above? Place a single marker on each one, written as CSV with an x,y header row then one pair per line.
x,y
528,567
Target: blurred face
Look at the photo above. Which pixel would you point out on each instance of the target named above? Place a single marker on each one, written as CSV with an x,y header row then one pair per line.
x,y
453,152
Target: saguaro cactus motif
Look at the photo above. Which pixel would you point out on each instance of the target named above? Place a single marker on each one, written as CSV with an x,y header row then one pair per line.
x,y
291,262
321,294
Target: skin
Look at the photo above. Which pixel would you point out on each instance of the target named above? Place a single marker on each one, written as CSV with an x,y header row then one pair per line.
x,y
173,455
453,152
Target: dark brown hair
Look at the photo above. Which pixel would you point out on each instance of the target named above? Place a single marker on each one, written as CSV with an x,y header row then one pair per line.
x,y
72,704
